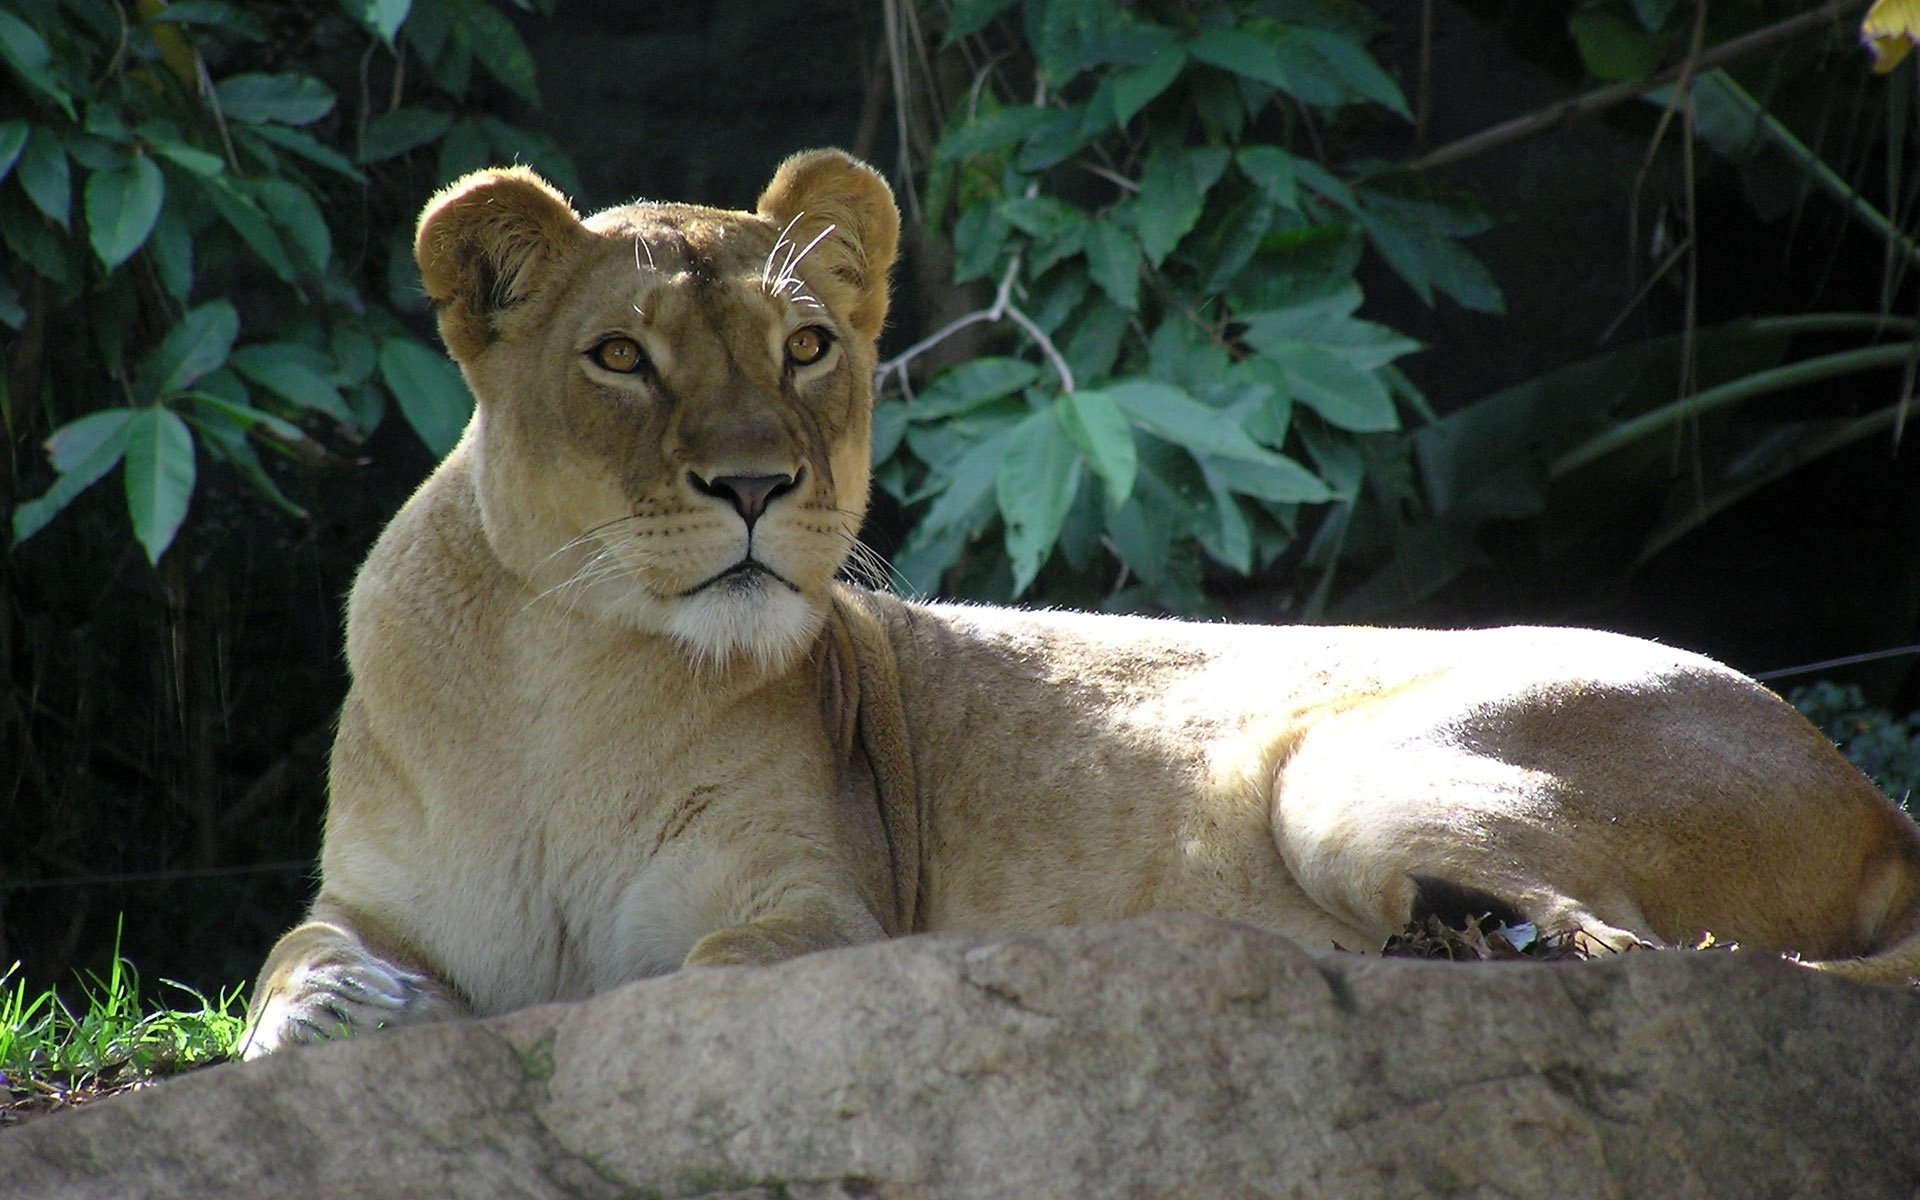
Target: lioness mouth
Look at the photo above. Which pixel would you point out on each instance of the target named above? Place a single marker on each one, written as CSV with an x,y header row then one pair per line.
x,y
742,576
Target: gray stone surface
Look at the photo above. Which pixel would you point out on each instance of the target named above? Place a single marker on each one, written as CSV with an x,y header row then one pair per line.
x,y
1172,1056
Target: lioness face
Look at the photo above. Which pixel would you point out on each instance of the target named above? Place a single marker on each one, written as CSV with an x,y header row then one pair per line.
x,y
673,401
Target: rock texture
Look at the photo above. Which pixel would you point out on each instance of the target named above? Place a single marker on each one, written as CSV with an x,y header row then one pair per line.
x,y
1172,1056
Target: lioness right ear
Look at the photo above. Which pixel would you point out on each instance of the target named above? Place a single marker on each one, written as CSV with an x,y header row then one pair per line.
x,y
481,243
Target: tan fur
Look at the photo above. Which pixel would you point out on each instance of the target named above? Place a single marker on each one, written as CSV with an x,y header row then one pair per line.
x,y
582,748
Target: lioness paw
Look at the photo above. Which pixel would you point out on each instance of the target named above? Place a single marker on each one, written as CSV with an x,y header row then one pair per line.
x,y
338,1000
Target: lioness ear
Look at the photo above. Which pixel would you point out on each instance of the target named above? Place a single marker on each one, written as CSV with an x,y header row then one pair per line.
x,y
480,244
820,188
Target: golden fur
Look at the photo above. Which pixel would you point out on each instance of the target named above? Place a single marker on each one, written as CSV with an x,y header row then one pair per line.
x,y
612,713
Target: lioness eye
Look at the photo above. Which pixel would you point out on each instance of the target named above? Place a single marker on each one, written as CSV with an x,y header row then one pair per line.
x,y
621,354
805,346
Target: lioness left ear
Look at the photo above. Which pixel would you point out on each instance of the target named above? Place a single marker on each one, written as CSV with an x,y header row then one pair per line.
x,y
818,188
481,242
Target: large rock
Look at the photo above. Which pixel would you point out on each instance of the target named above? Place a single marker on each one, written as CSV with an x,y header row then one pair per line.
x,y
1171,1056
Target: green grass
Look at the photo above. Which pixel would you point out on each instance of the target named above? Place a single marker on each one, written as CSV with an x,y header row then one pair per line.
x,y
54,1054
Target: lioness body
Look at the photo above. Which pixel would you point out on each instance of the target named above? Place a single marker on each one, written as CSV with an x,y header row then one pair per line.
x,y
612,714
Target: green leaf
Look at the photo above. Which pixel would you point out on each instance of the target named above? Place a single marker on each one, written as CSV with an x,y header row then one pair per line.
x,y
971,385
93,445
1653,13
298,215
1612,48
13,139
971,16
286,99
429,391
1327,69
1035,487
1270,169
215,15
200,343
1427,260
1075,35
170,249
297,374
239,210
1134,89
1173,416
28,54
1169,202
303,145
1113,260
1057,137
383,17
182,155
1097,426
392,134
122,206
160,473
1241,52
1336,389
46,176
989,131
1281,481
498,46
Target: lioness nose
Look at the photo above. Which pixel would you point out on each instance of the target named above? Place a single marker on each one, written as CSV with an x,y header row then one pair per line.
x,y
749,494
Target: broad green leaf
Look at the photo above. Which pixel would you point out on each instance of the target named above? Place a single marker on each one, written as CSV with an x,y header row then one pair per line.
x,y
1612,48
225,438
122,205
297,374
298,216
1134,89
429,391
79,441
1653,13
463,149
90,453
1172,415
1101,431
1281,481
383,17
214,14
1241,52
1326,69
1342,393
180,154
28,54
1169,202
990,131
1058,229
968,484
200,343
971,385
1428,260
1035,487
46,176
394,133
1057,138
1113,260
285,99
34,240
1229,538
170,249
971,16
1271,170
1075,35
241,213
500,49
13,139
304,145
160,474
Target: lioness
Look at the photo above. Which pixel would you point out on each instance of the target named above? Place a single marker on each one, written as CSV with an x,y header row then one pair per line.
x,y
613,714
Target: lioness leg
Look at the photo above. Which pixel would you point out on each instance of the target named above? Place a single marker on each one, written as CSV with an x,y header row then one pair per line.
x,y
1656,805
322,980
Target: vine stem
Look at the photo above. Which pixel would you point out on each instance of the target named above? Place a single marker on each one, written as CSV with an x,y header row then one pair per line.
x,y
1002,309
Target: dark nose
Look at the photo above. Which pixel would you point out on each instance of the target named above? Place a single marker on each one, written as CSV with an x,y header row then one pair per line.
x,y
749,494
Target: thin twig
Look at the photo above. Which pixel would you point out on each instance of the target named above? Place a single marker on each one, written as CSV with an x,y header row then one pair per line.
x,y
1002,309
1555,115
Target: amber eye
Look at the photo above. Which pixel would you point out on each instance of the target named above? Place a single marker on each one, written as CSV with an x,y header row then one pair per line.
x,y
621,354
807,346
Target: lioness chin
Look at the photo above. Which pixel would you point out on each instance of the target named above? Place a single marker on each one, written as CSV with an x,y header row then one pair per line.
x,y
612,714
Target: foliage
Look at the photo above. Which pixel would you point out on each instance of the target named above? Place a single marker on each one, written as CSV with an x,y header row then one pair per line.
x,y
1885,747
114,1039
1195,375
195,240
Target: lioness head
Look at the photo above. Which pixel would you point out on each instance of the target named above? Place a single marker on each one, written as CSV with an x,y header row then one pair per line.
x,y
673,401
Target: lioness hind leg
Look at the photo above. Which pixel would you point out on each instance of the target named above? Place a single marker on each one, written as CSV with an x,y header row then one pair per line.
x,y
321,981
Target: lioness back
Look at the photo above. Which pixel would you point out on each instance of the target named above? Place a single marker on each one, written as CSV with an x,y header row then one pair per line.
x,y
613,714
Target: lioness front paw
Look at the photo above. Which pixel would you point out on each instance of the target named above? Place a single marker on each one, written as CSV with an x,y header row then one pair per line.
x,y
335,1000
